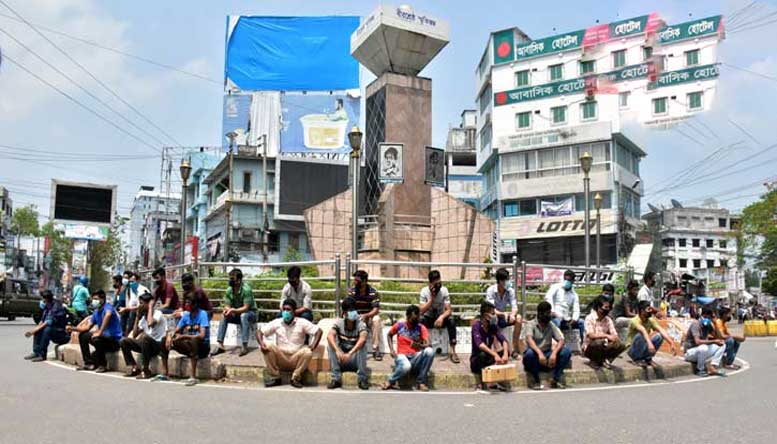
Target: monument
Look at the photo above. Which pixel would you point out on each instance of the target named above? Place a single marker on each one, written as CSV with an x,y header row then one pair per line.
x,y
411,220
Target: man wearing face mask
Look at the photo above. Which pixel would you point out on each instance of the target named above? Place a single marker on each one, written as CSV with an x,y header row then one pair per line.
x,y
646,292
436,312
120,290
51,327
105,339
191,339
500,295
80,298
147,338
289,352
300,291
565,303
346,349
701,348
239,308
368,306
164,293
190,290
602,344
645,336
134,289
541,354
485,338
413,352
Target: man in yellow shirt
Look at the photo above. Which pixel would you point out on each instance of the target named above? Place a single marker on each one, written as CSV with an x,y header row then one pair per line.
x,y
645,336
732,342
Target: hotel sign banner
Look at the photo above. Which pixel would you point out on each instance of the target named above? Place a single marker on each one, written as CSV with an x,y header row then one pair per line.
x,y
699,73
691,30
549,45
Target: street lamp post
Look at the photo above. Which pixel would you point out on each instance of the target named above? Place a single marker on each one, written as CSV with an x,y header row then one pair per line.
x,y
598,206
586,160
355,139
186,169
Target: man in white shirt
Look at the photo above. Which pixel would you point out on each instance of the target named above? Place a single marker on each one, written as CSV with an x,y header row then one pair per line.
x,y
131,303
646,292
565,304
500,296
436,311
146,338
289,352
299,291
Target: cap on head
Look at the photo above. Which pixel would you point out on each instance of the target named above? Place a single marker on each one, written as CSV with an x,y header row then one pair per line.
x,y
83,280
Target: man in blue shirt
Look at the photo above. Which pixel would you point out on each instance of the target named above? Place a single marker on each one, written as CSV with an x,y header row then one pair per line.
x,y
80,297
191,338
51,327
104,339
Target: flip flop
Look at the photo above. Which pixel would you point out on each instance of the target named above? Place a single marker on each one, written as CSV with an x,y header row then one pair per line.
x,y
455,359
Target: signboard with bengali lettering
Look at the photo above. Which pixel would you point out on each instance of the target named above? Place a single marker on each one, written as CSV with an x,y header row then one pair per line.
x,y
548,45
697,73
690,30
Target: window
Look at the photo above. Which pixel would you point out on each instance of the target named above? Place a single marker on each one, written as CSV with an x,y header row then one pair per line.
x,y
668,242
556,72
559,114
696,243
696,263
553,161
485,137
692,57
522,78
587,67
659,106
485,99
694,100
580,202
723,244
710,263
523,120
710,243
724,263
619,58
526,207
588,111
627,159
294,241
681,242
247,182
722,223
623,100
683,263
647,52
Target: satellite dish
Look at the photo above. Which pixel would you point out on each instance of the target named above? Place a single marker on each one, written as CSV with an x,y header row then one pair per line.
x,y
676,204
653,208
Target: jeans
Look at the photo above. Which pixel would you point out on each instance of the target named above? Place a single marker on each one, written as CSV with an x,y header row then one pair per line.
x,y
703,353
449,325
245,320
357,362
40,342
566,325
480,361
127,321
420,362
639,349
732,348
144,344
102,345
531,363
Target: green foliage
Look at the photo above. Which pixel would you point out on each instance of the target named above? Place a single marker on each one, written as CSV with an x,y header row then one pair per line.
x,y
104,256
758,231
293,255
25,221
60,250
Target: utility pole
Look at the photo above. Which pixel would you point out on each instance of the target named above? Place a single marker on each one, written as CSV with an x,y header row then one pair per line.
x,y
266,225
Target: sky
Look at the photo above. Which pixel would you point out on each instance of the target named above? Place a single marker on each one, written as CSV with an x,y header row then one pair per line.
x,y
727,153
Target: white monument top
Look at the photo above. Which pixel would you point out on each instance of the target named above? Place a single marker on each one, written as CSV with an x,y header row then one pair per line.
x,y
398,40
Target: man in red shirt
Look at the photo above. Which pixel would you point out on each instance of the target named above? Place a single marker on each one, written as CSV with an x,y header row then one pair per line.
x,y
413,353
164,293
191,290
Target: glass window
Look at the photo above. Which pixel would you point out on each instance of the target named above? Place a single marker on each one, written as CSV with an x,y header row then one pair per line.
x,y
619,58
247,182
606,201
710,243
694,100
723,244
485,99
724,263
559,114
696,243
647,52
522,78
681,242
722,223
692,57
696,263
587,67
668,242
588,111
526,207
523,120
659,105
710,263
683,263
510,209
556,72
623,100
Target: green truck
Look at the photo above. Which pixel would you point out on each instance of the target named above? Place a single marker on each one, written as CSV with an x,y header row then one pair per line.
x,y
19,298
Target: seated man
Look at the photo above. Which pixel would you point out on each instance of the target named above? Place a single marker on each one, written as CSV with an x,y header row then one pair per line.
x,y
627,306
239,308
541,354
191,290
732,342
413,353
485,337
191,339
147,338
165,292
300,291
368,306
601,344
565,303
51,327
346,349
608,293
645,336
133,291
500,295
436,312
702,348
289,352
105,339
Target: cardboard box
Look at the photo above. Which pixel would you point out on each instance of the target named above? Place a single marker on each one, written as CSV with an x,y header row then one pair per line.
x,y
500,373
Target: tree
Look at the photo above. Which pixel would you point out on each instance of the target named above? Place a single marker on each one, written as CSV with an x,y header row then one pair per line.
x,y
105,255
25,222
60,251
758,233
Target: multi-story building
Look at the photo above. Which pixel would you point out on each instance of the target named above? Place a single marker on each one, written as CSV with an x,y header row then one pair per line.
x,y
463,180
145,232
202,163
6,244
544,103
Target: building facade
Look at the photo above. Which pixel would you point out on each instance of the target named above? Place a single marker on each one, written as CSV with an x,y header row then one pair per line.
x,y
6,239
145,247
463,180
202,163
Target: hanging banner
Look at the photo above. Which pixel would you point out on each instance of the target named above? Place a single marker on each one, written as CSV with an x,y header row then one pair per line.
x,y
690,30
504,46
236,119
549,45
317,123
434,166
84,232
391,163
698,73
555,209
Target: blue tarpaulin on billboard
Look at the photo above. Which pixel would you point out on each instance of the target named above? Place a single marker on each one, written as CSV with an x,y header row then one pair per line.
x,y
317,123
291,53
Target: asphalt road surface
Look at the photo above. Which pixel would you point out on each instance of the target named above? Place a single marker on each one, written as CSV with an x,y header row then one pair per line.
x,y
46,403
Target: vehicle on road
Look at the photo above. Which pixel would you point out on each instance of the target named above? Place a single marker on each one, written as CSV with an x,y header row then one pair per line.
x,y
18,298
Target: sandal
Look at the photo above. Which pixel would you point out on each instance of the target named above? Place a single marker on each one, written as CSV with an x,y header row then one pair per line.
x,y
455,359
132,373
145,375
388,386
378,356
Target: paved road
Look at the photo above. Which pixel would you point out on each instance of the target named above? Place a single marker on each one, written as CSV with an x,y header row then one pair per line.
x,y
43,403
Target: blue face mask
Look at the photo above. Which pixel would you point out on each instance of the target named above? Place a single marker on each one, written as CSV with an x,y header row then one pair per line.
x,y
353,315
133,286
96,303
706,322
42,305
567,285
287,316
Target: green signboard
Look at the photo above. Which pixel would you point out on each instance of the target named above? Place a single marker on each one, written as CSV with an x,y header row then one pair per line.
x,y
548,45
504,46
689,30
698,73
573,86
628,27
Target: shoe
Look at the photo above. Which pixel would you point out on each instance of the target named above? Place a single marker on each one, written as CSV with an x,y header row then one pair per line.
x,y
132,373
503,386
85,368
535,385
273,383
334,384
364,385
218,351
702,374
160,377
557,385
38,359
388,386
422,387
191,382
144,375
296,383
101,370
378,356
243,351
31,356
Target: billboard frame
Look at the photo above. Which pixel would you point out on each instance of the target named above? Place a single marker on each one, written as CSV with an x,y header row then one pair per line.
x,y
53,199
